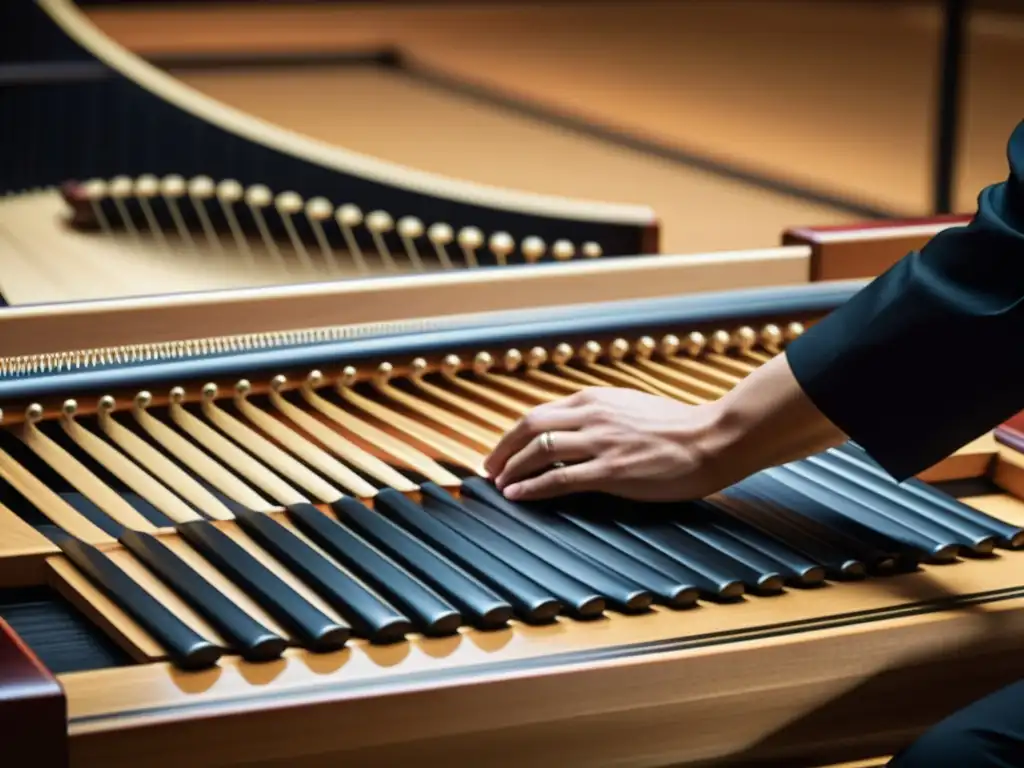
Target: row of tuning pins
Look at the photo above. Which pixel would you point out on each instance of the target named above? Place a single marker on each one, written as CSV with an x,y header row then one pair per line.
x,y
212,200
744,341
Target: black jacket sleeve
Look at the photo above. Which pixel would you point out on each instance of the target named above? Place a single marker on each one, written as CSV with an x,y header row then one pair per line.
x,y
930,354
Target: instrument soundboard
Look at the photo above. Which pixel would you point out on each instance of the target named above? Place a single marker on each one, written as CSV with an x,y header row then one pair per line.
x,y
289,555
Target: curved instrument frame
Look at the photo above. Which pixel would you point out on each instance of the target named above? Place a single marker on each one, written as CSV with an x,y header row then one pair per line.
x,y
76,25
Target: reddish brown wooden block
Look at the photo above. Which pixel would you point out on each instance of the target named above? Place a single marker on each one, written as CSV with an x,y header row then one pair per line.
x,y
865,250
33,711
1012,433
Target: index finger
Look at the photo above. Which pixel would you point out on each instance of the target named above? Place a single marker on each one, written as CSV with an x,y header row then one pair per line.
x,y
549,417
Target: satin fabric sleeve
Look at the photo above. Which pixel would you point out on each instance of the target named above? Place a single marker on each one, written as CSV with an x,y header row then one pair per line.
x,y
930,354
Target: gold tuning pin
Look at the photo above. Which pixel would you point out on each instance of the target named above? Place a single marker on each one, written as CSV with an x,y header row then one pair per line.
x,y
563,250
290,204
512,360
202,188
590,352
107,404
173,186
143,400
147,185
591,250
257,197
771,337
450,365
69,408
669,346
470,239
409,230
121,188
95,191
34,413
348,377
243,387
172,189
536,357
744,338
695,343
278,382
441,236
319,210
482,362
719,342
418,368
533,249
229,192
380,223
646,347
315,379
561,354
383,373
794,331
618,349
501,245
349,217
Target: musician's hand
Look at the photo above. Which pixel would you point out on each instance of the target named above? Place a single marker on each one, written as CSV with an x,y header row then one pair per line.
x,y
619,441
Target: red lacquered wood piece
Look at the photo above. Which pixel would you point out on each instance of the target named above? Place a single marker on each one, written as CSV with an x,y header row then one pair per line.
x,y
33,710
1012,433
80,212
865,250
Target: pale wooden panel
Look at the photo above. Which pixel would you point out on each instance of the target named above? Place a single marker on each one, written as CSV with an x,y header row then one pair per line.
x,y
23,551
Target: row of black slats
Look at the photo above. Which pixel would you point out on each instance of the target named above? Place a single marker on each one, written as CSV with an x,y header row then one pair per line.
x,y
483,561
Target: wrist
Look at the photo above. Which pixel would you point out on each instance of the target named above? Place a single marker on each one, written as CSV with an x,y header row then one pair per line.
x,y
722,444
765,421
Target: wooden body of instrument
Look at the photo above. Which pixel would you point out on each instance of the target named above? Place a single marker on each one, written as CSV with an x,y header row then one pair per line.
x,y
215,546
143,185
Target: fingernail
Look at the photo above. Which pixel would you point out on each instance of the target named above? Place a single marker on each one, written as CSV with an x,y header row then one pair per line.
x,y
512,492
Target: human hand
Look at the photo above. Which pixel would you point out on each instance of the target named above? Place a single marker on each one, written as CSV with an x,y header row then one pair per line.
x,y
618,441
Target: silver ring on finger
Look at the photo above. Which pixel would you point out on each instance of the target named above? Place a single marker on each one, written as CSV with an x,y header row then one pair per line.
x,y
547,442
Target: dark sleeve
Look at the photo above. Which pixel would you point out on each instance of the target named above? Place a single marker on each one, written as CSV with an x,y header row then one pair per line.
x,y
930,354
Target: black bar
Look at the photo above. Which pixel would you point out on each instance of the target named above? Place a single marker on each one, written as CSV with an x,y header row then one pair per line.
x,y
369,614
254,641
623,593
895,498
873,512
1010,536
954,40
432,614
316,630
187,648
677,593
795,566
477,601
773,522
847,536
579,599
531,602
